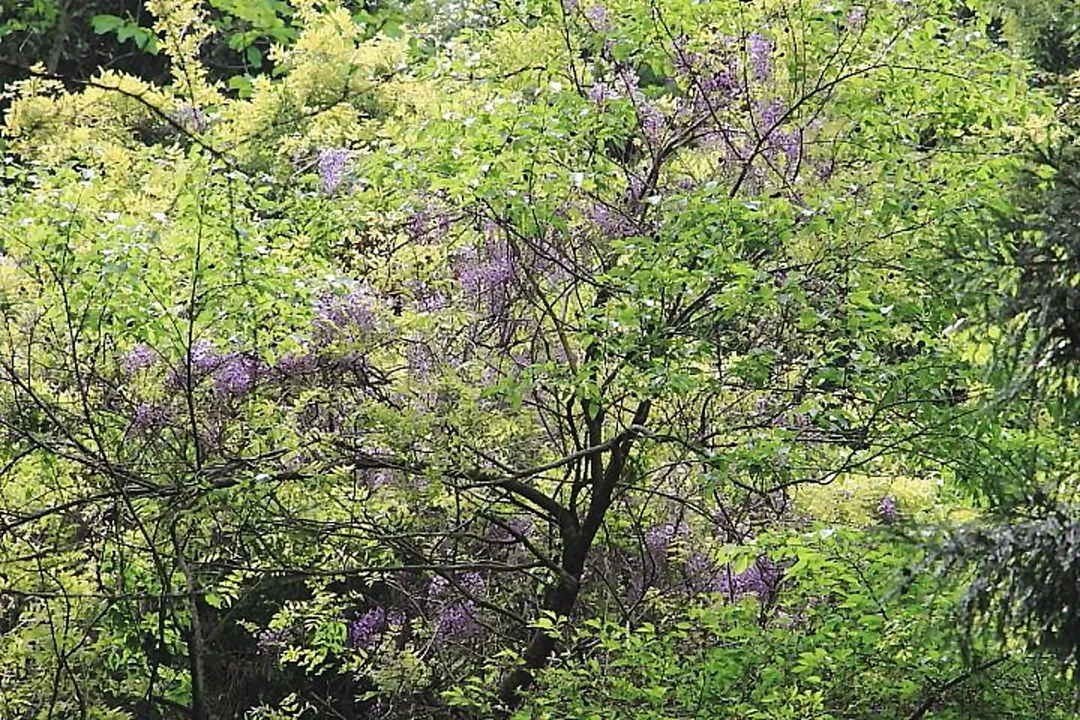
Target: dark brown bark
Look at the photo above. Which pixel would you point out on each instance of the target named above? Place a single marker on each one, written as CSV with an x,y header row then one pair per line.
x,y
560,599
577,536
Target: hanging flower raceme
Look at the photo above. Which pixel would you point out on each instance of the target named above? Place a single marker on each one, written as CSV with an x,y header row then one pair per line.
x,y
139,358
485,273
760,51
428,225
346,316
295,365
659,539
600,92
458,617
270,643
458,621
365,630
761,578
332,164
148,417
600,18
237,374
887,510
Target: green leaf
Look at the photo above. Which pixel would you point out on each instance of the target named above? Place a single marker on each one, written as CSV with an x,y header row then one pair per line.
x,y
105,23
254,57
242,84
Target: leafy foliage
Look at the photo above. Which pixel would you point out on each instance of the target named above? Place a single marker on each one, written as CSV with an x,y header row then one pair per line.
x,y
831,647
373,374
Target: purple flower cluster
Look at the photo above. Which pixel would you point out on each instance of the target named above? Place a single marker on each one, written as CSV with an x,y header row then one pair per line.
x,y
365,630
760,50
473,583
332,164
428,225
296,365
204,357
139,358
721,86
686,60
484,274
233,373
437,587
148,417
420,360
772,114
712,79
236,374
762,578
599,17
856,16
658,539
788,142
357,310
600,92
271,642
701,574
457,617
457,621
426,297
887,510
653,123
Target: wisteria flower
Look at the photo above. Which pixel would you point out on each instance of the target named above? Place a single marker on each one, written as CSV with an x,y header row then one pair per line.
x,y
659,538
484,273
887,510
148,416
365,630
294,365
356,311
332,165
428,225
760,56
139,358
236,374
473,583
762,578
457,622
204,357
600,92
599,17
437,586
272,642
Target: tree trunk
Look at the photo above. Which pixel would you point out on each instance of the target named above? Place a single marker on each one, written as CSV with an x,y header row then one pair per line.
x,y
578,539
560,599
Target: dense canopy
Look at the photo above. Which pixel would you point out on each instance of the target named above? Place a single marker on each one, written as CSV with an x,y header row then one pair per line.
x,y
539,359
